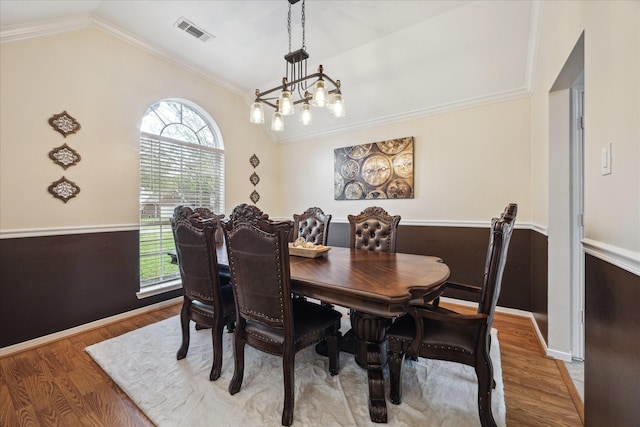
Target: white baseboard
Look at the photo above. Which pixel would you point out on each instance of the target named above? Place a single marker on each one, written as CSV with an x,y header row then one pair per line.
x,y
26,345
560,355
506,310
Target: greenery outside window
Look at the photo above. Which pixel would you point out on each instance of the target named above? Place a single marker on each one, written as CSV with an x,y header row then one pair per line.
x,y
181,163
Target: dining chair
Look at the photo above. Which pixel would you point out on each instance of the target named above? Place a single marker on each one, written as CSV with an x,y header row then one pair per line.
x,y
434,332
205,301
268,317
313,225
373,229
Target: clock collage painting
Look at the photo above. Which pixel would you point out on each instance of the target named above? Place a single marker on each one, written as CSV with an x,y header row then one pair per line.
x,y
379,170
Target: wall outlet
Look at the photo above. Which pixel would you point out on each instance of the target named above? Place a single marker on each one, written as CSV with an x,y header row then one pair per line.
x,y
606,159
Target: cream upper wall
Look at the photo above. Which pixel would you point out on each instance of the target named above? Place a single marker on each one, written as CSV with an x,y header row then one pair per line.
x,y
468,165
612,113
107,85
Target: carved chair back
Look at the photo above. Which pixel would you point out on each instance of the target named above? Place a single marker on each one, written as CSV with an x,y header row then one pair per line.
x,y
374,229
313,225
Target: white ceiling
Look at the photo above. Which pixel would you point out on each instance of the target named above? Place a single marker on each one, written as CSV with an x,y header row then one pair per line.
x,y
395,59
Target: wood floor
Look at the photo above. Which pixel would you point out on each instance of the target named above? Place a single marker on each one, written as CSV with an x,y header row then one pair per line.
x,y
58,384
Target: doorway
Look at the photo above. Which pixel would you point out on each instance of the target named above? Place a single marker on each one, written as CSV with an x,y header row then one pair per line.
x,y
566,189
577,215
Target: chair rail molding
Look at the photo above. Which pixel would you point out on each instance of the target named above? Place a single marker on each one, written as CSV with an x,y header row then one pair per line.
x,y
59,231
626,259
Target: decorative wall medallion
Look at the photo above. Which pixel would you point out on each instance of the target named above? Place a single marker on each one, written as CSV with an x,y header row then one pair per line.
x,y
64,156
254,160
64,189
374,171
254,178
64,123
254,197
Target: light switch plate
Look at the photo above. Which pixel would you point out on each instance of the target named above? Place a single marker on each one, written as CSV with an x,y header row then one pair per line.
x,y
606,159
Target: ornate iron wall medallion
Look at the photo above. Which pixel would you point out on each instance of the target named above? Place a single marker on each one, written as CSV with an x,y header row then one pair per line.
x,y
378,170
254,161
64,189
254,178
64,123
64,156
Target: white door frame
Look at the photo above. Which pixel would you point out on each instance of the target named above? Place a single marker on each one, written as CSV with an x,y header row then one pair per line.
x,y
577,221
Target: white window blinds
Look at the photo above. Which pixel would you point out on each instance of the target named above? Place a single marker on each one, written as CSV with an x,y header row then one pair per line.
x,y
173,173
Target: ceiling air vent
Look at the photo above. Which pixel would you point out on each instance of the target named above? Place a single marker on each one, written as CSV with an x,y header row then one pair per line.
x,y
190,28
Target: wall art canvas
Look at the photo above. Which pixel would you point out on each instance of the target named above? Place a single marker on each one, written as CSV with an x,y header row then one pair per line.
x,y
380,170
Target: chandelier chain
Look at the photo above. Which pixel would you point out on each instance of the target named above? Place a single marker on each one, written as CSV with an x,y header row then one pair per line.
x,y
304,46
289,26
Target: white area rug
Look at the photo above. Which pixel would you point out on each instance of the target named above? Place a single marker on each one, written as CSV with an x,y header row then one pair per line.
x,y
178,393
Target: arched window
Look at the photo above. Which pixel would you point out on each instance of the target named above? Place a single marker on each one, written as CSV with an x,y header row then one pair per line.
x,y
181,163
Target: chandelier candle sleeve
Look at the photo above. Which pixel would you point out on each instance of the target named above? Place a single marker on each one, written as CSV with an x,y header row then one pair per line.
x,y
295,87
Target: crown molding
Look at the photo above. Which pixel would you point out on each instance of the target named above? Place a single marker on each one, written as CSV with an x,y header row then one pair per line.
x,y
45,28
65,25
141,44
534,42
414,114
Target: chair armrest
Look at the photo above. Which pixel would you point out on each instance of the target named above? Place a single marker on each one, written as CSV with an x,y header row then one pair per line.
x,y
438,314
463,287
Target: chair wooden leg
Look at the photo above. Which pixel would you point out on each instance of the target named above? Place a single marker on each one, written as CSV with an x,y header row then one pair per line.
x,y
184,323
216,336
395,360
288,361
231,324
238,371
334,354
484,372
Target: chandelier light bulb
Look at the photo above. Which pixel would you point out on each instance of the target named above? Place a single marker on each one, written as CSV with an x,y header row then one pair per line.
x,y
319,94
277,122
305,114
286,103
337,105
257,113
298,87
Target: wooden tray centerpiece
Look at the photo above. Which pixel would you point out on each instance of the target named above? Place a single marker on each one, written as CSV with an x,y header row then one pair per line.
x,y
307,249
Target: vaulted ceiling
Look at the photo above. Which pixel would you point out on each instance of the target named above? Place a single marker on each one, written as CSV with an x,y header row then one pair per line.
x,y
396,59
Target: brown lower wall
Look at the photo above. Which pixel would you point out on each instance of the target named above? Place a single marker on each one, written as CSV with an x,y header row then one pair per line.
x,y
464,250
54,283
612,345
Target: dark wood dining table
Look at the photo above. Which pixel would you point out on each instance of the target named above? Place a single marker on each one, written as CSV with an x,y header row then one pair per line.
x,y
375,286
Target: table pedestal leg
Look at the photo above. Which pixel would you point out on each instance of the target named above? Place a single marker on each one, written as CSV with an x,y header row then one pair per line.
x,y
371,354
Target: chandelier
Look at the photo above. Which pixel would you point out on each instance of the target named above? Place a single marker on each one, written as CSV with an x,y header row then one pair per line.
x,y
298,87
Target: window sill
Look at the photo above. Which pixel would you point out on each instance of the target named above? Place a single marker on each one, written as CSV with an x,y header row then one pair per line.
x,y
149,291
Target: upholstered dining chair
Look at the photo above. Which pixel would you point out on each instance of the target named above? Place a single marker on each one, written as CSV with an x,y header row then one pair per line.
x,y
434,332
373,229
268,318
313,225
205,301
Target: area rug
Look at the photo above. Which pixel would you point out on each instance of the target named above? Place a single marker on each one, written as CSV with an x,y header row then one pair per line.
x,y
178,392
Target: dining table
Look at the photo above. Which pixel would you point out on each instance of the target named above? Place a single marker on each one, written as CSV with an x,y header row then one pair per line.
x,y
375,286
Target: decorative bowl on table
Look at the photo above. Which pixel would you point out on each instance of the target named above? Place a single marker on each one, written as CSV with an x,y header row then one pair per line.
x,y
307,249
